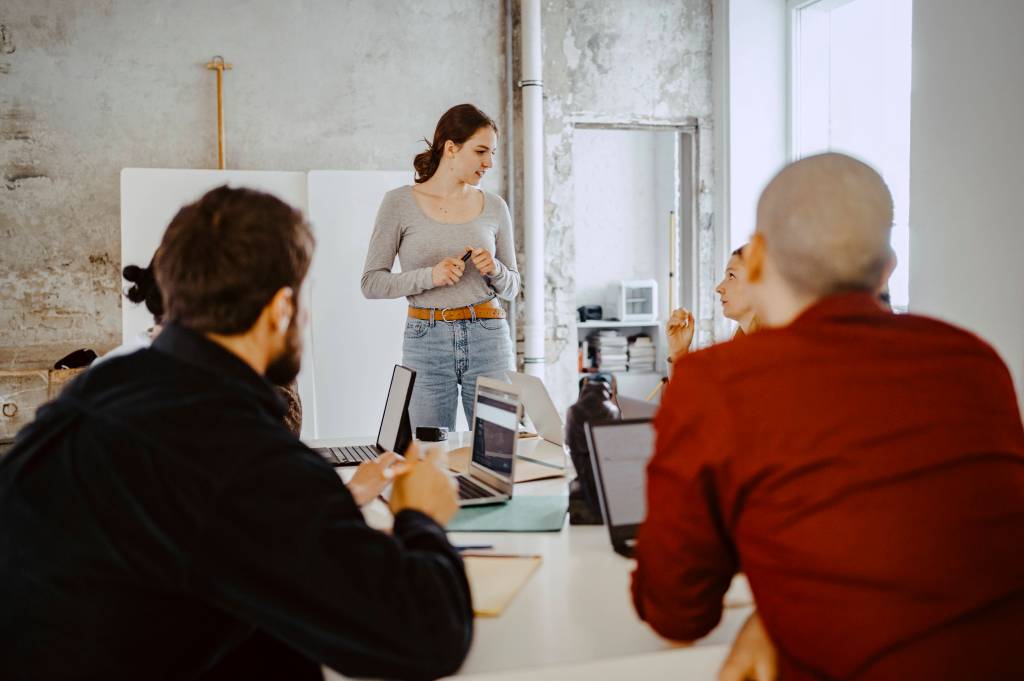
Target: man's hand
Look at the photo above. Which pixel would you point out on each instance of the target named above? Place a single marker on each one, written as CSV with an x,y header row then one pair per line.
x,y
753,657
426,487
679,330
483,261
447,272
373,476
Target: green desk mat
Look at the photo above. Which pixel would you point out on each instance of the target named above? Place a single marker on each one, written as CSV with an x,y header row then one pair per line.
x,y
521,514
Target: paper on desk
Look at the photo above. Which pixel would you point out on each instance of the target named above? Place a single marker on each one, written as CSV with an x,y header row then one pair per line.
x,y
495,580
526,471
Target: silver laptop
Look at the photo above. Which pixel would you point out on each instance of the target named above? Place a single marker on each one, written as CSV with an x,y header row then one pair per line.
x,y
539,407
395,432
496,412
619,452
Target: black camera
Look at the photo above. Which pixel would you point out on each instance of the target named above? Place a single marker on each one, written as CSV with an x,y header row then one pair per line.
x,y
431,433
587,312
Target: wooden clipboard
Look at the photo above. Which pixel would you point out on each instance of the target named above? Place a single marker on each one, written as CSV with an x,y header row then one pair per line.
x,y
526,471
495,580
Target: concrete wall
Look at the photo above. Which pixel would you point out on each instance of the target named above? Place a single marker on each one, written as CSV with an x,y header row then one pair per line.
x,y
90,87
967,236
643,61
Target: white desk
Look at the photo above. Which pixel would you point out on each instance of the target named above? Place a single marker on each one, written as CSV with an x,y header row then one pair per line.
x,y
576,609
695,663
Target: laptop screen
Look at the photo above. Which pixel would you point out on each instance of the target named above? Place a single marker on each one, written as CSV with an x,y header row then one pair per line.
x,y
398,398
495,429
622,450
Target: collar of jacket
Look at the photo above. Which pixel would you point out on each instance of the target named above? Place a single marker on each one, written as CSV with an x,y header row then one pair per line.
x,y
194,348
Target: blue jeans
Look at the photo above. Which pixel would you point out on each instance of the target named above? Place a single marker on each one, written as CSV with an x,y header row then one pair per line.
x,y
447,355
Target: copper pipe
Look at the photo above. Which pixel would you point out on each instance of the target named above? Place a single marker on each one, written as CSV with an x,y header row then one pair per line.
x,y
219,66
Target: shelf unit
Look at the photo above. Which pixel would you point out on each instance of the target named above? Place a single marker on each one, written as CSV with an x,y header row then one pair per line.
x,y
614,324
636,384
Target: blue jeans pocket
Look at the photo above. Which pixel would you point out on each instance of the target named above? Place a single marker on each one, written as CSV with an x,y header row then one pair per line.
x,y
493,324
416,328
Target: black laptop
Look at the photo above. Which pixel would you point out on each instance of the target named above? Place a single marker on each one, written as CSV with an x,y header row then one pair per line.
x,y
395,432
619,452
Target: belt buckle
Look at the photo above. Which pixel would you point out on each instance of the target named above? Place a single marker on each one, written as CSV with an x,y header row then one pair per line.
x,y
443,311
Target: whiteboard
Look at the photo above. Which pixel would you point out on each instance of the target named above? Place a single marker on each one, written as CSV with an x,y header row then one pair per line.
x,y
356,341
151,197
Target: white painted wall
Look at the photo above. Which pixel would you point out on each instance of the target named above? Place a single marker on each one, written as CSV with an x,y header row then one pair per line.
x,y
624,188
757,105
966,146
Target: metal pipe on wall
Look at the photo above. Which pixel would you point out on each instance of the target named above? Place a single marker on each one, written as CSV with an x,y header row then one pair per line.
x,y
510,147
533,186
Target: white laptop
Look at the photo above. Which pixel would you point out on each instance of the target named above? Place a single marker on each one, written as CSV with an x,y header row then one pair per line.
x,y
548,448
539,407
496,412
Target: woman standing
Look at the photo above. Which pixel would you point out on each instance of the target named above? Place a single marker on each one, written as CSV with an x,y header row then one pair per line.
x,y
454,245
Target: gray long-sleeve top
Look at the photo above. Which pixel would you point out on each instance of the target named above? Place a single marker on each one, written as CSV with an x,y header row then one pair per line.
x,y
403,229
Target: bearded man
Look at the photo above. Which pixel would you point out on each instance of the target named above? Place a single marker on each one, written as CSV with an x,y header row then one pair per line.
x,y
158,517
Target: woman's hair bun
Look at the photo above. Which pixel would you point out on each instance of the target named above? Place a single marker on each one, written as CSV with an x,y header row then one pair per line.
x,y
144,289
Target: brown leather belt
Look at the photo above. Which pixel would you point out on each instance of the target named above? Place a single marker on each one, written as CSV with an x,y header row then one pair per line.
x,y
490,309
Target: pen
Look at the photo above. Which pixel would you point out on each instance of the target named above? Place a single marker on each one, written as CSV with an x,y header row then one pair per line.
x,y
475,547
466,255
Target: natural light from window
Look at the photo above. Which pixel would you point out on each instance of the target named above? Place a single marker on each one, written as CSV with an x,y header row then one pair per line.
x,y
850,75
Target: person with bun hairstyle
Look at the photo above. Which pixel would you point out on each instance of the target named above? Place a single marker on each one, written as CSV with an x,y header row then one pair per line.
x,y
454,244
144,289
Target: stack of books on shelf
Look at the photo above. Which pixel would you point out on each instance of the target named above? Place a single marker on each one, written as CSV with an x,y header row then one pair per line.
x,y
641,353
608,349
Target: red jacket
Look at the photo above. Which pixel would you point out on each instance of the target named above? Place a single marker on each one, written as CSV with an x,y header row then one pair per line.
x,y
866,471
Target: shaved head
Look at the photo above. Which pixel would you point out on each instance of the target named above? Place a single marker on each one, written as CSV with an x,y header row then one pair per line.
x,y
825,223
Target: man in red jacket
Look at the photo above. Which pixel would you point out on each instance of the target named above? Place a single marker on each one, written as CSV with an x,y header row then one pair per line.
x,y
864,469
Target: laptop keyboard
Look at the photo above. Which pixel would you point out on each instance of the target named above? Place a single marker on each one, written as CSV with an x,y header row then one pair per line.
x,y
470,490
340,456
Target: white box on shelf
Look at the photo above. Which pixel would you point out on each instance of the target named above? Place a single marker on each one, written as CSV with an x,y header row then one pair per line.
x,y
635,300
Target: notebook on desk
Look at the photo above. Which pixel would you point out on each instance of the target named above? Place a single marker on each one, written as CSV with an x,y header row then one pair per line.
x,y
495,580
395,432
619,452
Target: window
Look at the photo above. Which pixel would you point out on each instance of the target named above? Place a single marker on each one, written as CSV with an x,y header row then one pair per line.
x,y
850,92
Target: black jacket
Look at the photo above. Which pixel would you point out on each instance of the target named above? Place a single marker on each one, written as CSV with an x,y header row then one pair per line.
x,y
158,513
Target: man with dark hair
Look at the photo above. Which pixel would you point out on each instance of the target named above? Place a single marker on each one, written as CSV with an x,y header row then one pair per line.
x,y
864,469
158,514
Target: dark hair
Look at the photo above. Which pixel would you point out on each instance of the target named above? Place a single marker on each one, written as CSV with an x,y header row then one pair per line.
x,y
225,256
144,289
458,124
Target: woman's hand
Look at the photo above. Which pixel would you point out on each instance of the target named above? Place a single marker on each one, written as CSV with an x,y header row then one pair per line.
x,y
373,476
448,272
483,261
679,330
